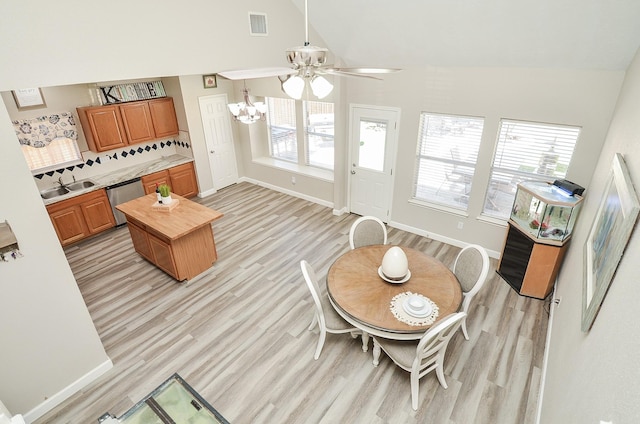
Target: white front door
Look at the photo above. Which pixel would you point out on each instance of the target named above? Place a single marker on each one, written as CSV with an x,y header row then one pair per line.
x,y
373,139
219,138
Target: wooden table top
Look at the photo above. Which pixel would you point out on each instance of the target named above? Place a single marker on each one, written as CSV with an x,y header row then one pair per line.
x,y
356,288
181,220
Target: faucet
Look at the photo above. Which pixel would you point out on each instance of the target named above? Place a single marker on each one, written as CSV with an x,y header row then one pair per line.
x,y
60,182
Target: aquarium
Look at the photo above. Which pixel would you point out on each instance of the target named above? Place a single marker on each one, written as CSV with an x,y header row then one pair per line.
x,y
545,212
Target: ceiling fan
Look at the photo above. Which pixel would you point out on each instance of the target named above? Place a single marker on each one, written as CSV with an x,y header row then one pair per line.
x,y
308,64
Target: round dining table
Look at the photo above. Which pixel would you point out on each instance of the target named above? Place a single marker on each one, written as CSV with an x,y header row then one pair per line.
x,y
363,298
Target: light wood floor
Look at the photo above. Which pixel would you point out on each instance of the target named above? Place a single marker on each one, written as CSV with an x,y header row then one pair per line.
x,y
239,334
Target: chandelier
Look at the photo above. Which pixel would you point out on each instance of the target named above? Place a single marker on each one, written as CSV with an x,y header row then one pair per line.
x,y
248,112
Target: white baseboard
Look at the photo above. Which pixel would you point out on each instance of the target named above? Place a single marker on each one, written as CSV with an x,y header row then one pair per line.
x,y
545,358
438,237
67,392
338,212
289,192
207,193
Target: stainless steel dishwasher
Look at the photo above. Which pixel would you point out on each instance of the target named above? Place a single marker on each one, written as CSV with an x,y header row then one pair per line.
x,y
121,193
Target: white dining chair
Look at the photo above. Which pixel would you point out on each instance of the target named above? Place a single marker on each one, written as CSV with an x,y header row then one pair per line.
x,y
324,315
471,267
367,230
427,356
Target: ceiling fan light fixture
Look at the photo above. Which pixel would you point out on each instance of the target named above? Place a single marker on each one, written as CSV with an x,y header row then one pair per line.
x,y
293,86
320,87
247,112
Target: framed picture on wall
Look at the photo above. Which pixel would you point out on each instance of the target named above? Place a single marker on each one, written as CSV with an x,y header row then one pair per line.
x,y
29,98
609,235
210,81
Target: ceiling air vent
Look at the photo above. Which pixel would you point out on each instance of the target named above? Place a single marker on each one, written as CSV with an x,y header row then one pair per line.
x,y
258,23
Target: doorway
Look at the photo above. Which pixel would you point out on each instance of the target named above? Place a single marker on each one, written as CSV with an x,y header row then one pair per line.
x,y
373,138
219,140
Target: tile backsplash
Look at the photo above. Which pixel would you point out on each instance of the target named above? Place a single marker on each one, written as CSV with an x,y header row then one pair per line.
x,y
105,162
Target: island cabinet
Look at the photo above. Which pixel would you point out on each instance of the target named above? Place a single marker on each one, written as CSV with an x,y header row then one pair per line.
x,y
113,126
178,240
181,179
80,217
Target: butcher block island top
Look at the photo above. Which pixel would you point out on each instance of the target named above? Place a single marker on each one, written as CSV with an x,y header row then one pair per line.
x,y
178,240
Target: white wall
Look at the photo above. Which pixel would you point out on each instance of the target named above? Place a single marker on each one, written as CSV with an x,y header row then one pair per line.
x,y
581,98
595,376
47,338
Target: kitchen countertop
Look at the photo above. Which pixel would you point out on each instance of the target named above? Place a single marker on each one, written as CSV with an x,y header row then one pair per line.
x,y
185,218
125,174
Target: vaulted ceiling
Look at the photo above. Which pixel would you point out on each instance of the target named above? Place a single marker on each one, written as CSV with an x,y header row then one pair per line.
x,y
572,34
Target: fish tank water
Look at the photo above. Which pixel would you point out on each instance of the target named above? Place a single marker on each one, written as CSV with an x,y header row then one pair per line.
x,y
544,212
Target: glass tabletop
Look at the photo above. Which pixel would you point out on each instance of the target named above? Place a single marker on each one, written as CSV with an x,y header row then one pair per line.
x,y
173,402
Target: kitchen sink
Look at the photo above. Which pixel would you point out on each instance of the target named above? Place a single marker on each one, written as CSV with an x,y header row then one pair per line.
x,y
76,186
80,185
53,192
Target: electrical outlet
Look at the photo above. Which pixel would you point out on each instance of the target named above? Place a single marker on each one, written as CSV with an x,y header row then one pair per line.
x,y
460,225
557,301
293,180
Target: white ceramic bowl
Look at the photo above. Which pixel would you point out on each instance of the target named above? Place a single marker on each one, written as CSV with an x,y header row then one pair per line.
x,y
416,303
394,263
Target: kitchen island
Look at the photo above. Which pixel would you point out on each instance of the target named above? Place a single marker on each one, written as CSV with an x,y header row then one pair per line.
x,y
178,239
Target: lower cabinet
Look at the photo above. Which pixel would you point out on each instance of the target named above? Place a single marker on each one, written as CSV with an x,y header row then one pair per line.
x,y
183,258
80,217
530,268
181,179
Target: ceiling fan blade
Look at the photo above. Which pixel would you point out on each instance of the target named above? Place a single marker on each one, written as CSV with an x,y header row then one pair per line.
x,y
369,70
243,74
340,73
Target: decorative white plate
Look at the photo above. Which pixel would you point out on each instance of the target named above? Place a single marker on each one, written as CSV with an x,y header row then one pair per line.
x,y
389,280
421,313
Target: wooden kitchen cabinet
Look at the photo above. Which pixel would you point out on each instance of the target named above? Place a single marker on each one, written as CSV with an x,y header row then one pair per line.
x,y
138,125
180,242
103,127
150,181
181,179
114,126
163,115
80,217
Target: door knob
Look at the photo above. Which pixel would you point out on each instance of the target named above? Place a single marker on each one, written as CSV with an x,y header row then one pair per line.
x,y
353,172
212,151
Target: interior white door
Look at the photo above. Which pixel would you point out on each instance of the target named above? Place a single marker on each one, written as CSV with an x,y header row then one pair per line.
x,y
373,140
219,139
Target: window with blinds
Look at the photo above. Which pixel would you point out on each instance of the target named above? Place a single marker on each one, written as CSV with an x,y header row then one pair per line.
x,y
60,153
281,123
527,151
318,133
446,158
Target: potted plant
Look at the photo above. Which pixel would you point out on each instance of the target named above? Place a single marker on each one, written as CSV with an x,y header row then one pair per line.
x,y
165,194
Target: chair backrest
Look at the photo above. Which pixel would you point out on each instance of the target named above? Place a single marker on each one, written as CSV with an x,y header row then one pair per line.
x,y
367,230
312,283
471,268
433,344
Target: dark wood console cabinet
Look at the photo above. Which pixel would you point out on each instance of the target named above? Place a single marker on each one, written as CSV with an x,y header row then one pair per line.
x,y
530,268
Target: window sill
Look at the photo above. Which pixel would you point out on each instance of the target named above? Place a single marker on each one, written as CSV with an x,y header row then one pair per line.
x,y
309,171
441,208
492,220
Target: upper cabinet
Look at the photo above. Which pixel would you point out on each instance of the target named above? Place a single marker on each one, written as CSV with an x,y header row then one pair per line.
x,y
163,115
113,126
103,127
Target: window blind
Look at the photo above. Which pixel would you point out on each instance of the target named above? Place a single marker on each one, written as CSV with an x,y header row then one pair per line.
x,y
447,151
527,151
